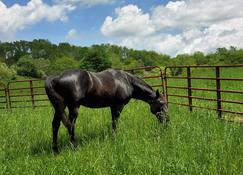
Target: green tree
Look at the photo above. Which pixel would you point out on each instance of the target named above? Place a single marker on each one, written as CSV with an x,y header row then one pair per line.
x,y
115,60
199,58
182,59
95,60
43,49
95,64
26,67
62,64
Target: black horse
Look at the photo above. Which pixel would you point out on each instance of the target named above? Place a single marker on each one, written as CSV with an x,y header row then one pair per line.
x,y
110,88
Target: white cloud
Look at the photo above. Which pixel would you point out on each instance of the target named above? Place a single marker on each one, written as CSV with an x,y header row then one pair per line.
x,y
191,13
18,17
179,26
71,35
162,43
84,2
130,21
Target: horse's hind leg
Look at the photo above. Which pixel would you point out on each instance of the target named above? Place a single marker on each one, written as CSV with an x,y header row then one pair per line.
x,y
73,114
58,117
55,127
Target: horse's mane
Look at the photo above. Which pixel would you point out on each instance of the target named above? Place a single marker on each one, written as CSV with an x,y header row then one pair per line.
x,y
138,82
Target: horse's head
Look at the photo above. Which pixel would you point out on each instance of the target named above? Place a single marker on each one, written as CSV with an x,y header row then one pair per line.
x,y
159,107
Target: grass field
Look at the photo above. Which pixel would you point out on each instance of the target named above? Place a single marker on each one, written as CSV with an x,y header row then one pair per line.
x,y
192,143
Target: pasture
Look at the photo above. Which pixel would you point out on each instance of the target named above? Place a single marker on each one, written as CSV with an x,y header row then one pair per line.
x,y
192,143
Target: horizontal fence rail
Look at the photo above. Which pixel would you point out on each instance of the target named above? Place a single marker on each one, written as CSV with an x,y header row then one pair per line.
x,y
3,96
26,93
217,80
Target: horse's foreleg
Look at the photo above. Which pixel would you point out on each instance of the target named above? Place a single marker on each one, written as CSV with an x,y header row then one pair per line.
x,y
115,112
73,114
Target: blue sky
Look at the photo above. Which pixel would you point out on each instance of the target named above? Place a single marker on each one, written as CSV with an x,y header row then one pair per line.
x,y
86,20
166,26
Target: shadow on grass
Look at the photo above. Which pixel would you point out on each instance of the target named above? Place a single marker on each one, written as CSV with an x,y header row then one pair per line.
x,y
45,147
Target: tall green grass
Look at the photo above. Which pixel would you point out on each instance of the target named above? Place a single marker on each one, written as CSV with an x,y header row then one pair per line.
x,y
192,143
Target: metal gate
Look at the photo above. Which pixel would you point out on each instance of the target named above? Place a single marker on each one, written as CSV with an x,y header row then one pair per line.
x,y
220,90
220,95
26,93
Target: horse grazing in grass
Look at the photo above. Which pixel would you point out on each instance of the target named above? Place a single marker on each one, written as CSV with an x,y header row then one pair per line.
x,y
109,88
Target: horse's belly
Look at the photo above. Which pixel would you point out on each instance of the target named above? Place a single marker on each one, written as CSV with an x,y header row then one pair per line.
x,y
96,102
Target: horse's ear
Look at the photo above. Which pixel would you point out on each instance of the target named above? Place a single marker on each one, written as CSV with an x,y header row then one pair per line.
x,y
157,93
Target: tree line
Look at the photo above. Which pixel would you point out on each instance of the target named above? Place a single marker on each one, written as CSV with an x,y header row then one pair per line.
x,y
40,58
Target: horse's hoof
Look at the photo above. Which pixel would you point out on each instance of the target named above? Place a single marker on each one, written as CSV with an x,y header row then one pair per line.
x,y
55,150
74,143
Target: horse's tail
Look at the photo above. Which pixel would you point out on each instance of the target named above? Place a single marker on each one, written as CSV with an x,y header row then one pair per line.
x,y
56,99
50,91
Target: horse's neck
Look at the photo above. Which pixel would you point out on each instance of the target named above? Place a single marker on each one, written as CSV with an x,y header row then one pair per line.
x,y
142,91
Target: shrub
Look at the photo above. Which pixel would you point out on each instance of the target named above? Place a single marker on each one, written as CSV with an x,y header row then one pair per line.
x,y
26,67
7,73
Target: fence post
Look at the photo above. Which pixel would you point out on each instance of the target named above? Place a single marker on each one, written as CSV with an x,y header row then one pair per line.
x,y
189,85
162,80
32,94
165,84
219,107
6,96
9,96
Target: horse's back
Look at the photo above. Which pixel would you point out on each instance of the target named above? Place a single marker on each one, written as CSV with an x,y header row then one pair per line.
x,y
122,83
108,87
79,87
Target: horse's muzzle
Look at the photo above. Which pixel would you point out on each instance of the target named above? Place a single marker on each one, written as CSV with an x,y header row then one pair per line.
x,y
162,117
